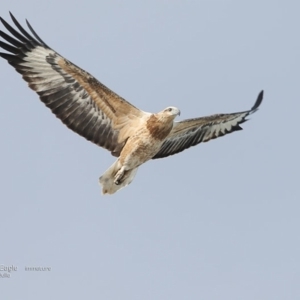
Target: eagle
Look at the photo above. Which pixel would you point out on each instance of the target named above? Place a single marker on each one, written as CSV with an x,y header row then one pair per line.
x,y
93,111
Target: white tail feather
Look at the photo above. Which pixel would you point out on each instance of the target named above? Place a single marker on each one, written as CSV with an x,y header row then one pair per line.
x,y
107,179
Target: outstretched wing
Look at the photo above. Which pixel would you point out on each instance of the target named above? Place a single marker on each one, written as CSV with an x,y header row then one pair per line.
x,y
80,101
191,132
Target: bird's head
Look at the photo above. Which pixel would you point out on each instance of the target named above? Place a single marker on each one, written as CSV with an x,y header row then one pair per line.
x,y
171,111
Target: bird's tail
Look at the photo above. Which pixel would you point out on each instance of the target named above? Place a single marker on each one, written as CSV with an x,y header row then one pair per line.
x,y
107,179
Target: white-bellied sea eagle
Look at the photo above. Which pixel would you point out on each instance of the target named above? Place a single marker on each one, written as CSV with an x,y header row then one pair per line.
x,y
95,112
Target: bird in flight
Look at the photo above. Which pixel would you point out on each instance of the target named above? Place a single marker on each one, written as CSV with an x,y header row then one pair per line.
x,y
90,109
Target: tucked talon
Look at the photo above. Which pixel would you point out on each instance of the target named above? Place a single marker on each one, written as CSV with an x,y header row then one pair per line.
x,y
119,175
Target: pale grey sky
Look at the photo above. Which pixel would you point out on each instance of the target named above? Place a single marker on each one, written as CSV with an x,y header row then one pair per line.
x,y
218,221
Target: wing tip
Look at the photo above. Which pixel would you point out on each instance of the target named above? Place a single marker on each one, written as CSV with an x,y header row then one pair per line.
x,y
12,16
23,31
258,101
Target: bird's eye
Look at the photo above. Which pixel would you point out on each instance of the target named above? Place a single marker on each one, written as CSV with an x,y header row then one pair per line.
x,y
170,109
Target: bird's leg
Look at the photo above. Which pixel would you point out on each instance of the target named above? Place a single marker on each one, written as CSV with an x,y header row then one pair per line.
x,y
119,175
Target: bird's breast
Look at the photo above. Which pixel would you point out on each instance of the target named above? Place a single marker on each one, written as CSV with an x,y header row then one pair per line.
x,y
158,128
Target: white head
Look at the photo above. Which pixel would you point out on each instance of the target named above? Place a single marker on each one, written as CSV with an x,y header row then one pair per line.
x,y
172,111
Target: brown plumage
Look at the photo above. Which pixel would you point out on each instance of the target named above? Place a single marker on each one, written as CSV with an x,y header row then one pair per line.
x,y
95,112
159,128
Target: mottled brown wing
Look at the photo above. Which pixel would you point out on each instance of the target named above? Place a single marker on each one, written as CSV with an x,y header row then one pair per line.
x,y
191,132
80,101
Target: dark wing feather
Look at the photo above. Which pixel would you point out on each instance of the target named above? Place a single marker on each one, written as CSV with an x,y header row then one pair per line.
x,y
191,132
80,101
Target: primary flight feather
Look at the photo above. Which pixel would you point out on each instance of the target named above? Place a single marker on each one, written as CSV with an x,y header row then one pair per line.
x,y
95,112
